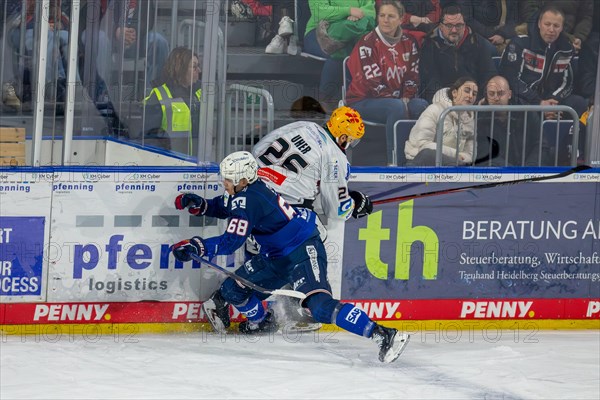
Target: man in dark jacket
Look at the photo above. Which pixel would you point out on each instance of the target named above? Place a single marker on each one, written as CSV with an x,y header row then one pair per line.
x,y
451,51
508,139
577,14
495,20
538,66
585,84
585,81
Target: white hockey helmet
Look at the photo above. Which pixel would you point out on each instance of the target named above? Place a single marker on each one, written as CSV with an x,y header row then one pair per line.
x,y
239,165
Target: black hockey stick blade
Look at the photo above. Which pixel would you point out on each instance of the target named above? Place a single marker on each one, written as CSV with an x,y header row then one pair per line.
x,y
247,283
568,172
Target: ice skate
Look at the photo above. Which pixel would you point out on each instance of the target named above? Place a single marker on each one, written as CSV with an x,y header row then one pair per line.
x,y
267,325
391,342
216,310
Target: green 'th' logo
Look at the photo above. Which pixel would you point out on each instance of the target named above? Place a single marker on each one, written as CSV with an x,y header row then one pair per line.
x,y
373,234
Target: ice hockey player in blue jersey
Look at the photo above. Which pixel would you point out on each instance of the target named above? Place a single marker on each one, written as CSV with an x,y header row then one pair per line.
x,y
291,252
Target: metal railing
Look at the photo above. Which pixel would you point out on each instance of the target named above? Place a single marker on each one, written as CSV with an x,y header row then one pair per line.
x,y
510,109
250,114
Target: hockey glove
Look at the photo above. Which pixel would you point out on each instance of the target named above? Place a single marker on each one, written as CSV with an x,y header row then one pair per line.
x,y
195,204
183,249
362,204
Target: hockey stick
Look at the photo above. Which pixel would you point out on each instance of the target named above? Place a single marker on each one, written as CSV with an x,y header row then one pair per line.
x,y
483,186
247,283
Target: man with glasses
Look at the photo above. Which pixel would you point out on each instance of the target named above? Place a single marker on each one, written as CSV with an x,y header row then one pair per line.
x,y
453,50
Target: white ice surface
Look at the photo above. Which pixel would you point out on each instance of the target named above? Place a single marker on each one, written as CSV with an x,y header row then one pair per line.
x,y
458,365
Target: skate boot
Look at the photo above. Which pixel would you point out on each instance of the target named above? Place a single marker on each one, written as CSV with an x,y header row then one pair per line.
x,y
267,325
216,310
390,342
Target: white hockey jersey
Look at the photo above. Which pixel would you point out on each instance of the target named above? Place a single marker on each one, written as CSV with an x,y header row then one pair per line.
x,y
302,163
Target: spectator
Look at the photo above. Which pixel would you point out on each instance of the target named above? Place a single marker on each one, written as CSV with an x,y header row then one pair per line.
x,y
384,70
56,51
333,28
585,80
283,40
494,20
126,31
508,139
577,23
451,51
538,66
10,17
420,17
174,104
458,140
265,11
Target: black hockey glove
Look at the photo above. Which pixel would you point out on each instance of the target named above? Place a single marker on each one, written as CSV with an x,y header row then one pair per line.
x,y
195,204
362,204
183,249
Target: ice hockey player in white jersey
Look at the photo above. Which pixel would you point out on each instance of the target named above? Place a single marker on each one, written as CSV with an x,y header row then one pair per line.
x,y
304,161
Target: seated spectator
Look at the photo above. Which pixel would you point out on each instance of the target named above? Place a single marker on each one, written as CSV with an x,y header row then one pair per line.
x,y
10,18
587,68
420,17
585,83
451,51
577,15
279,38
173,105
458,135
384,71
508,139
56,52
331,32
538,66
126,31
282,35
494,20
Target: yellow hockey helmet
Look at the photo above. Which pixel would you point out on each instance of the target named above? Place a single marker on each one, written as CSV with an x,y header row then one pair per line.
x,y
346,121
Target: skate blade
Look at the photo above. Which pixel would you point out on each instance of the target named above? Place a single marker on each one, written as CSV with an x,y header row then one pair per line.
x,y
303,327
213,319
400,342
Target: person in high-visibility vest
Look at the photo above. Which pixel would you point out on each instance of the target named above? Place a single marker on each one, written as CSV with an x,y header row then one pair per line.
x,y
173,105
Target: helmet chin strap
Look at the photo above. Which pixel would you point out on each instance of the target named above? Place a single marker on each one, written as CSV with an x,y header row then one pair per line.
x,y
342,145
235,191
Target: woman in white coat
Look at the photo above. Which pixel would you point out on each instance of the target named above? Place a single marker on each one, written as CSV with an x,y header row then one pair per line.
x,y
458,135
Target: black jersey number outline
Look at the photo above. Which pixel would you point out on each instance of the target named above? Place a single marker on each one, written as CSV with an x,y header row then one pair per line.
x,y
292,162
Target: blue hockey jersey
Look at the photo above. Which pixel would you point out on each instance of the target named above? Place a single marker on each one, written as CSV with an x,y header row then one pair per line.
x,y
278,227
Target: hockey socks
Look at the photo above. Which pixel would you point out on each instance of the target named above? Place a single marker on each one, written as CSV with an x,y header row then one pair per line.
x,y
252,309
354,320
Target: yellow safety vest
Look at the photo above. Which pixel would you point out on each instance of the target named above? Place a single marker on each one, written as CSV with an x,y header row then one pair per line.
x,y
176,115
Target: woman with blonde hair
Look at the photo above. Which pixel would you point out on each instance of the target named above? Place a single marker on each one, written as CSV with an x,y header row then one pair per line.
x,y
385,73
